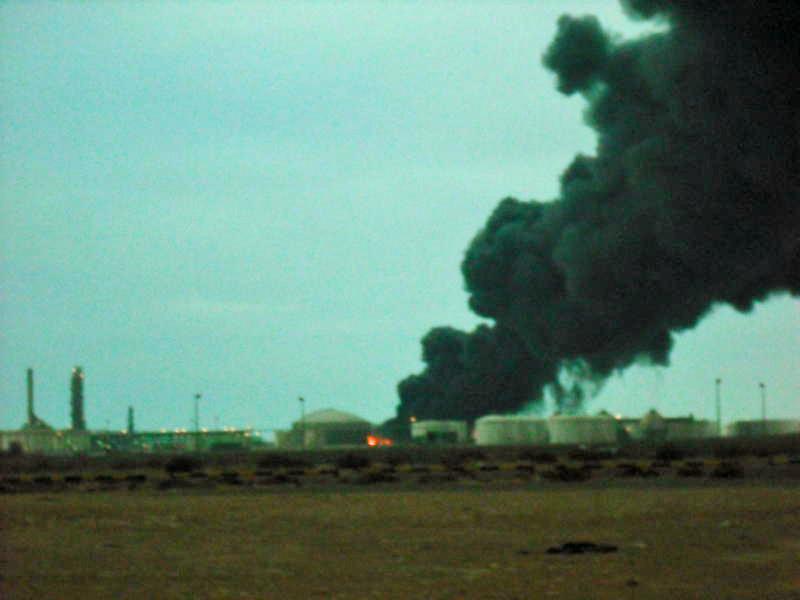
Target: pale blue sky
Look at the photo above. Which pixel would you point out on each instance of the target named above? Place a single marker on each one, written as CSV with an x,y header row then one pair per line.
x,y
264,200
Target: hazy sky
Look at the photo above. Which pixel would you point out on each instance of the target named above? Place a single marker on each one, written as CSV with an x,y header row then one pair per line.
x,y
258,201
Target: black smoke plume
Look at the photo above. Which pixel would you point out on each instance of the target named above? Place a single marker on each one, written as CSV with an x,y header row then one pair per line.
x,y
691,200
471,374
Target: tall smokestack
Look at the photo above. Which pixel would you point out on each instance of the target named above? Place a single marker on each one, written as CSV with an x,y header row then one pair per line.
x,y
130,420
76,400
31,415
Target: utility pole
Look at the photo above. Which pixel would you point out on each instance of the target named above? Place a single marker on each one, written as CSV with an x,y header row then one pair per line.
x,y
763,407
31,416
718,383
302,422
76,400
197,397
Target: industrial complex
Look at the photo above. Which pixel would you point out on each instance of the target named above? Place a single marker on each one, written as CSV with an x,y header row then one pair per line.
x,y
331,428
36,436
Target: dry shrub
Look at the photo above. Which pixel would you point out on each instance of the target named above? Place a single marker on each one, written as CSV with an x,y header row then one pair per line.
x,y
182,464
669,452
728,470
277,460
354,461
538,456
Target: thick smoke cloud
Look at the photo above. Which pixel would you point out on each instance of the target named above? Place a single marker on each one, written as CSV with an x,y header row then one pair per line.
x,y
690,201
471,374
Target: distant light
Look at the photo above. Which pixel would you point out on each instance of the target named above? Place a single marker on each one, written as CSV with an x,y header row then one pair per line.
x,y
413,419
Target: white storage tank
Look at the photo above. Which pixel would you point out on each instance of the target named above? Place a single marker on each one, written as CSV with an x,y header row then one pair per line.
x,y
602,429
498,430
439,432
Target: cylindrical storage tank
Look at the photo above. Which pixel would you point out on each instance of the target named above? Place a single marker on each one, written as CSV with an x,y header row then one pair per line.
x,y
690,429
492,430
439,432
530,430
601,429
499,430
768,427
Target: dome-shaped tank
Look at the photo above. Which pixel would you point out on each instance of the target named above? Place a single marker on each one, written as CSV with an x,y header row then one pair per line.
x,y
327,428
653,426
653,421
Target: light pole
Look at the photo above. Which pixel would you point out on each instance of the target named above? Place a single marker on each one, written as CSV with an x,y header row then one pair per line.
x,y
718,383
763,389
302,422
197,397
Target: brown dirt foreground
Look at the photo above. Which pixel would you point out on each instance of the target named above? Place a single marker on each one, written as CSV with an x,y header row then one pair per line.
x,y
716,541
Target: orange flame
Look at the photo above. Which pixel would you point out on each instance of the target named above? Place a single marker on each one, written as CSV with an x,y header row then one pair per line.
x,y
374,440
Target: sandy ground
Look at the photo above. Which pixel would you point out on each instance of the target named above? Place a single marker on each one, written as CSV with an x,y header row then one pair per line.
x,y
708,539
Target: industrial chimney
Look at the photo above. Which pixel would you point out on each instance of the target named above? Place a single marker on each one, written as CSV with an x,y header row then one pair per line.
x,y
130,421
31,415
76,400
33,421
